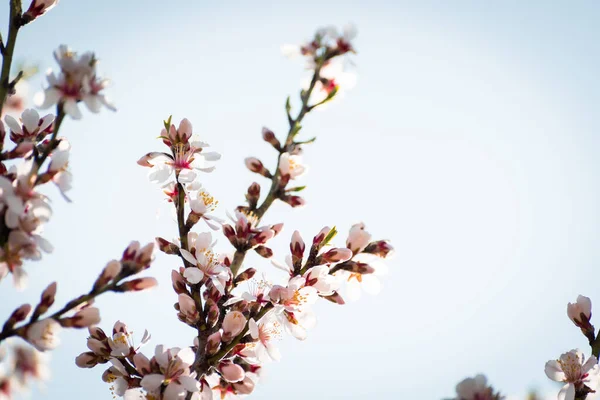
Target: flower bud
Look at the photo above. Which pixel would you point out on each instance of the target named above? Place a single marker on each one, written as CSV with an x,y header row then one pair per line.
x,y
253,194
380,248
86,360
297,248
19,315
178,282
245,275
87,317
110,272
581,313
293,200
188,311
233,324
255,165
213,312
264,251
213,343
358,238
269,137
231,372
335,255
43,335
321,235
167,247
37,8
97,333
277,228
136,285
335,298
357,267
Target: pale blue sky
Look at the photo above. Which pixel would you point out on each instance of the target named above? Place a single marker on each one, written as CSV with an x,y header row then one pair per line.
x,y
470,141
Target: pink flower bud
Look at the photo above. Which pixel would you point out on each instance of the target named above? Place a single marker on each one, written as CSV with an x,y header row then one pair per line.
x,y
294,201
20,313
380,248
187,307
112,269
264,251
97,333
336,255
86,360
87,317
263,237
136,285
277,228
213,312
178,282
167,247
245,275
255,165
358,238
581,311
231,372
233,324
38,8
269,137
213,343
297,247
321,235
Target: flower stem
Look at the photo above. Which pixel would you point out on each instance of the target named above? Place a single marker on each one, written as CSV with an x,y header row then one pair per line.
x,y
289,141
8,50
21,331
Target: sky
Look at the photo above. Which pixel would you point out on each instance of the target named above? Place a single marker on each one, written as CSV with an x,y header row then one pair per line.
x,y
470,141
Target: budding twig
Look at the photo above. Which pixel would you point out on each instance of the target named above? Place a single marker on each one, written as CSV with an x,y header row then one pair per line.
x,y
8,49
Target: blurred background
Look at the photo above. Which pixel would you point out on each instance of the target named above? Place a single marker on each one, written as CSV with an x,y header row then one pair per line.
x,y
470,141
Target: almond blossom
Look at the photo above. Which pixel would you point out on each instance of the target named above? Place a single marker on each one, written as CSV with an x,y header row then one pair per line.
x,y
174,373
204,263
43,335
264,332
76,82
476,388
291,166
578,374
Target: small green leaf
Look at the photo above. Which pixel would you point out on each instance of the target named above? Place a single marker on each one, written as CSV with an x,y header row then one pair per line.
x,y
167,123
329,236
296,189
307,141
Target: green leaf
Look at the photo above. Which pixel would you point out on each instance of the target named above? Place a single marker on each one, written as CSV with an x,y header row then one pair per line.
x,y
307,141
167,123
329,236
296,189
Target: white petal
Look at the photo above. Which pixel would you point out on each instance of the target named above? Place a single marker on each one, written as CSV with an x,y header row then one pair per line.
x,y
72,109
152,382
13,124
193,275
554,371
188,256
567,392
30,119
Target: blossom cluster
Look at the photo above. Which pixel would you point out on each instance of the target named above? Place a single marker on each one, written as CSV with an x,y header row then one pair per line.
x,y
238,318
